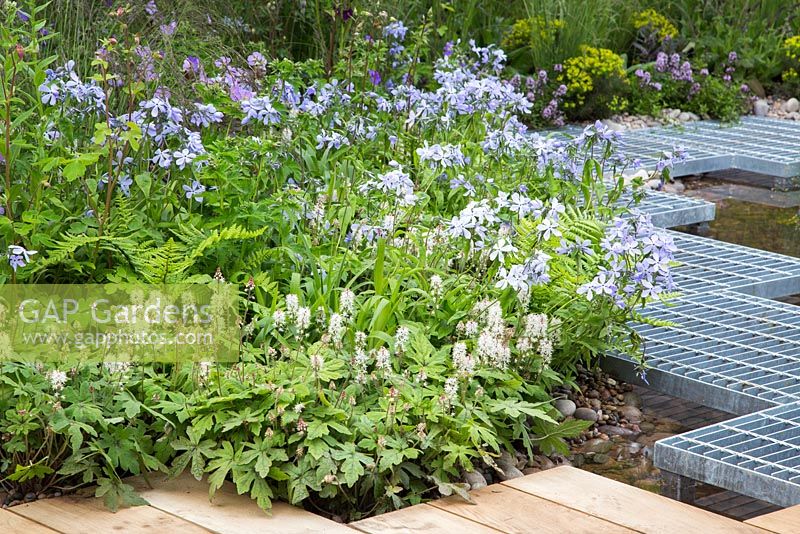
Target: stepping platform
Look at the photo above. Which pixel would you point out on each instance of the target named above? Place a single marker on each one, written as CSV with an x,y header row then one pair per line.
x,y
708,264
785,521
757,454
558,500
563,499
668,210
755,144
724,350
178,505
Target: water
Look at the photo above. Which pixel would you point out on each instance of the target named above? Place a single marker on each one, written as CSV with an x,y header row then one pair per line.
x,y
750,216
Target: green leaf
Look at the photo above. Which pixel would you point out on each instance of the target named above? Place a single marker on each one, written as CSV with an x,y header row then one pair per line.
x,y
23,473
74,170
317,429
224,460
117,494
353,462
144,181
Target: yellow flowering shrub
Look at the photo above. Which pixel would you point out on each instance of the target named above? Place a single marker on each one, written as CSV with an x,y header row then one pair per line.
x,y
658,23
591,79
537,29
792,50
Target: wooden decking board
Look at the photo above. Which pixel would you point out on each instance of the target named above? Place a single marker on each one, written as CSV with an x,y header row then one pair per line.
x,y
81,515
622,504
229,512
421,518
716,498
509,510
14,523
730,506
786,521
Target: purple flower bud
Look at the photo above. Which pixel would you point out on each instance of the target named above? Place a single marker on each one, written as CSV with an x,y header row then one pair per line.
x,y
24,17
448,49
374,77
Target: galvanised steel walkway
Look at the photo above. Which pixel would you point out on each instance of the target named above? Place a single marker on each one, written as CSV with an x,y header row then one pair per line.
x,y
722,343
756,144
667,210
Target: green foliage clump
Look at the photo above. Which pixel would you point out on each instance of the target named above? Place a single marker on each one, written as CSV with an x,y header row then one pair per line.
x,y
532,31
596,83
791,72
653,21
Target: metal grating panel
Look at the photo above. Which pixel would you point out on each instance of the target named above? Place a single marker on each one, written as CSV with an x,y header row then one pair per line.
x,y
757,455
756,144
726,350
668,210
708,264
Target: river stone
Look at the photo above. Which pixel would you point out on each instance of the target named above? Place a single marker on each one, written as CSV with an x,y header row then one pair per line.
x,y
618,431
631,413
685,117
791,105
586,414
597,445
761,108
632,398
507,463
544,462
565,406
674,187
600,458
614,126
475,480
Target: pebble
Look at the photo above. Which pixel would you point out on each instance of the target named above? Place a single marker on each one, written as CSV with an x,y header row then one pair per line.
x,y
634,448
761,108
617,431
672,113
530,470
632,398
674,187
597,445
544,462
600,458
566,407
507,463
791,105
654,183
586,414
614,126
475,480
685,117
631,413
30,497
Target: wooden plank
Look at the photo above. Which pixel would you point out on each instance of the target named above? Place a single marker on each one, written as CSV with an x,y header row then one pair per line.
x,y
507,509
229,512
87,515
786,521
13,523
622,504
420,518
